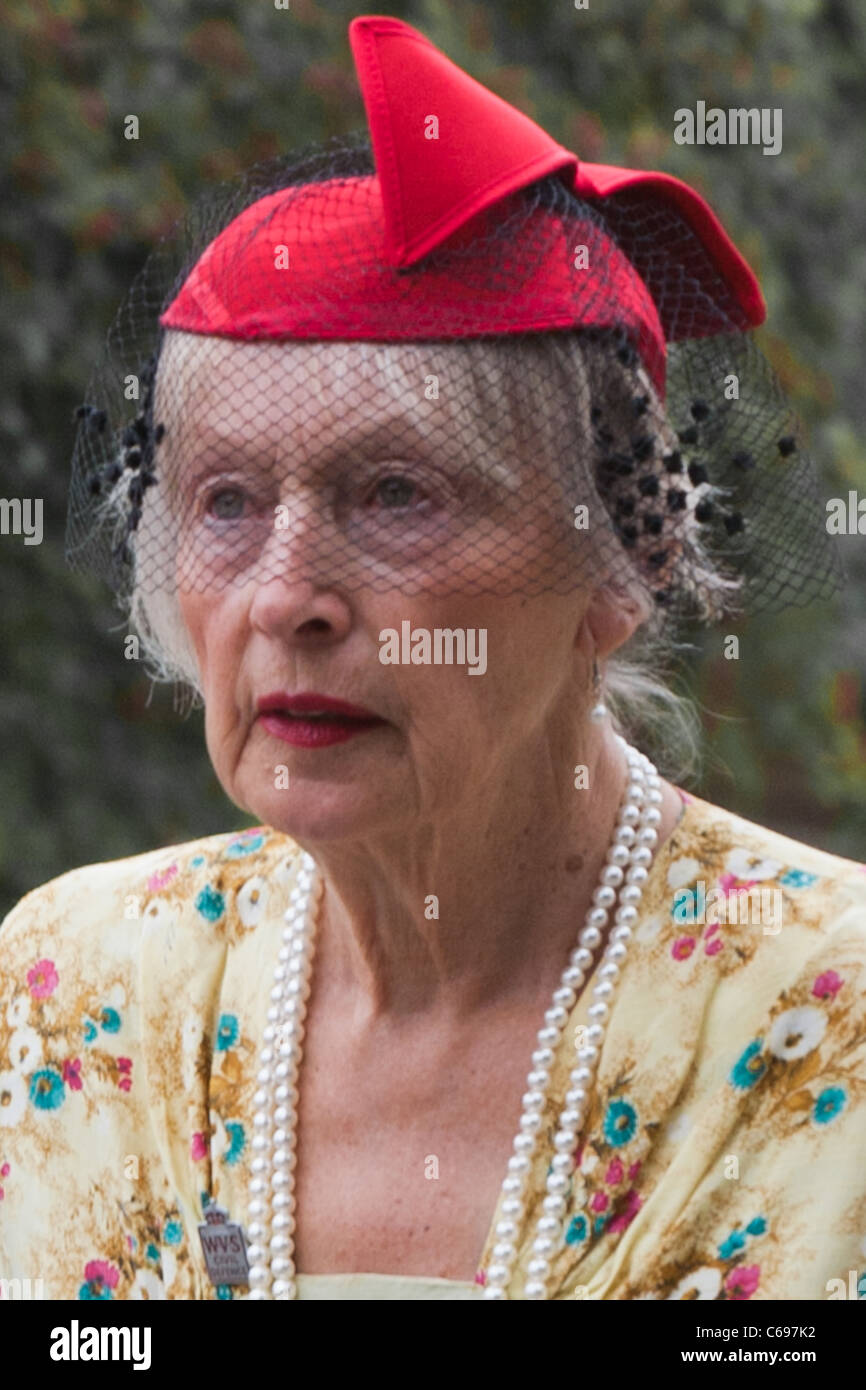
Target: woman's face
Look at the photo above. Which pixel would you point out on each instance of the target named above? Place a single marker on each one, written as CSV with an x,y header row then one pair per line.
x,y
350,473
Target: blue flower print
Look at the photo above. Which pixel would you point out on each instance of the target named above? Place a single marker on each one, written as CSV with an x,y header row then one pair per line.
x,y
749,1067
798,878
89,1030
94,1291
620,1123
227,1032
224,1291
197,861
735,1242
152,1253
110,1020
577,1230
237,1141
756,1227
689,904
173,1232
599,1224
210,903
237,848
828,1105
47,1090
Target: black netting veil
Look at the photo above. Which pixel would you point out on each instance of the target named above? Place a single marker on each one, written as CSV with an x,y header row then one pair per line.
x,y
486,422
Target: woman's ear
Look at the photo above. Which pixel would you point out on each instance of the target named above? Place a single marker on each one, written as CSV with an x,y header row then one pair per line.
x,y
612,616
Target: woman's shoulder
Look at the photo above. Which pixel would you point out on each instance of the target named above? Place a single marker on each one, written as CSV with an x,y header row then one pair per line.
x,y
715,829
732,856
116,893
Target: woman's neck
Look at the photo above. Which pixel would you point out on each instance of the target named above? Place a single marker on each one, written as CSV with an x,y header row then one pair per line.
x,y
479,909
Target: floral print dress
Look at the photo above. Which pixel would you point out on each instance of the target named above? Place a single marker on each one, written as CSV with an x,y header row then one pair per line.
x,y
723,1153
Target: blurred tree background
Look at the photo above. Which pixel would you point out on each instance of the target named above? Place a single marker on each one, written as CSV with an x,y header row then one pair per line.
x,y
95,764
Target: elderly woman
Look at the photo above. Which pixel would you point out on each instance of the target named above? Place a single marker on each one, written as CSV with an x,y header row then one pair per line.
x,y
485,1008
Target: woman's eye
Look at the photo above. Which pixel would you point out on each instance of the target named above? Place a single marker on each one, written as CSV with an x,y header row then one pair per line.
x,y
394,491
227,504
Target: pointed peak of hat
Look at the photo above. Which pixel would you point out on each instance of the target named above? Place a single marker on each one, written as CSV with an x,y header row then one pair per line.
x,y
445,146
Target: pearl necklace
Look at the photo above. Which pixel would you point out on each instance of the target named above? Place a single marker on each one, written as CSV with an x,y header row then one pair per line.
x,y
275,1119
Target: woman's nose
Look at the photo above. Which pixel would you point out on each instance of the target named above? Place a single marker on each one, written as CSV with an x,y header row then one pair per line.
x,y
294,587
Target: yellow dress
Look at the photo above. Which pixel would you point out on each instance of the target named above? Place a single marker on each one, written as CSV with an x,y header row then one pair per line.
x,y
724,1154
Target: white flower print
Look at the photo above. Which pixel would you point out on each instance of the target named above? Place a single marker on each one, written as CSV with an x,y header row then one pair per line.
x,y
116,997
191,1033
158,914
25,1050
18,1011
796,1032
285,870
682,871
13,1098
742,865
701,1284
251,900
147,1285
169,1266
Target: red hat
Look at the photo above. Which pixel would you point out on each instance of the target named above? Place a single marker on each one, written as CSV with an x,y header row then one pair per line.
x,y
432,193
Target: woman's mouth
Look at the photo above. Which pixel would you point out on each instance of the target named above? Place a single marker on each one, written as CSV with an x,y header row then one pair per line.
x,y
310,720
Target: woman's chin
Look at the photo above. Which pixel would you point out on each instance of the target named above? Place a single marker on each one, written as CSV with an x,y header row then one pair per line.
x,y
316,813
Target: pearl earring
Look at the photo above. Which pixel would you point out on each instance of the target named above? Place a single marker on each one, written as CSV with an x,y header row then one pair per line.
x,y
599,709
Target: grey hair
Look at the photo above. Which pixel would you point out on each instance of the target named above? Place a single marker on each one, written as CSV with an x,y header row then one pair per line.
x,y
643,705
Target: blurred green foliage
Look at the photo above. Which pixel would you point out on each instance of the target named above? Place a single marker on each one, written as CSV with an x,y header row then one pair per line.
x,y
96,765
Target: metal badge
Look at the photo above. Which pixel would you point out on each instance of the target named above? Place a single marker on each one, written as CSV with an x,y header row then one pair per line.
x,y
224,1248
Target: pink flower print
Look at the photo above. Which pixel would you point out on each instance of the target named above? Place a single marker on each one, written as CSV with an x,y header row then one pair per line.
x,y
614,1173
4,1172
711,930
161,879
827,985
100,1274
42,979
683,947
198,1147
71,1073
729,883
713,947
634,1170
742,1281
600,1201
124,1066
481,1277
631,1206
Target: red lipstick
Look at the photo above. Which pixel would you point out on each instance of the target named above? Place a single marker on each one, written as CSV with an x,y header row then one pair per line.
x,y
311,720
